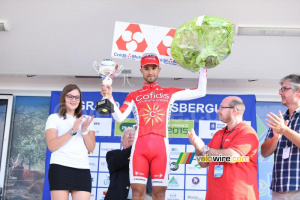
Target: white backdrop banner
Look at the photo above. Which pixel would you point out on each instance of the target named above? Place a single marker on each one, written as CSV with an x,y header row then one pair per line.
x,y
132,40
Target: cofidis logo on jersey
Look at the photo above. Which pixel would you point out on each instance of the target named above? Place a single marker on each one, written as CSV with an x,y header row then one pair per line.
x,y
152,95
152,115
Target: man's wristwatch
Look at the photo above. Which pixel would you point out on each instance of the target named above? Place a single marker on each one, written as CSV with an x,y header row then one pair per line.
x,y
206,149
72,132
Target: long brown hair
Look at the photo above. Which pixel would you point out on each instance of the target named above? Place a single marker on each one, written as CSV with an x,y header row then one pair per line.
x,y
62,103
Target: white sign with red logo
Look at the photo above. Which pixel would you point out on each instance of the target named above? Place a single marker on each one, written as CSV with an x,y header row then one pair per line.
x,y
132,40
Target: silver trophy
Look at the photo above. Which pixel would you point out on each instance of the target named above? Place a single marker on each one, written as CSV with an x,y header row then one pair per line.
x,y
107,71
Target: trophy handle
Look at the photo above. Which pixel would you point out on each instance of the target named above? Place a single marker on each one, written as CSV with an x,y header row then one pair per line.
x,y
96,66
117,71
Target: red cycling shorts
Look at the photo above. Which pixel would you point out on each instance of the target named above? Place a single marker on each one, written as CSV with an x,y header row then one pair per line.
x,y
150,152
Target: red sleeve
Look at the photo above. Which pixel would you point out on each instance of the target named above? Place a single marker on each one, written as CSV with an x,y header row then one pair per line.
x,y
126,102
244,142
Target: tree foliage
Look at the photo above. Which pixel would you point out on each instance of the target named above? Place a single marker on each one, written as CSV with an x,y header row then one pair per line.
x,y
28,138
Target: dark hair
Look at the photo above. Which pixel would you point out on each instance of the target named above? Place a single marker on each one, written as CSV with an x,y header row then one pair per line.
x,y
294,79
62,103
238,104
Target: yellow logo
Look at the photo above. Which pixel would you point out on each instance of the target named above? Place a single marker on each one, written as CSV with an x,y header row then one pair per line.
x,y
152,115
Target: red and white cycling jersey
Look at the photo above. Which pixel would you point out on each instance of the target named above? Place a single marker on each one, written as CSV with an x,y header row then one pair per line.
x,y
152,106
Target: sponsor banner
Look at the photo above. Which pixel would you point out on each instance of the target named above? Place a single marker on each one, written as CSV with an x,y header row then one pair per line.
x,y
265,164
265,177
94,179
176,168
195,195
197,113
102,126
93,161
131,40
121,126
195,182
175,150
103,180
93,194
176,129
180,128
190,148
103,165
176,182
195,107
100,195
195,168
174,195
209,127
105,147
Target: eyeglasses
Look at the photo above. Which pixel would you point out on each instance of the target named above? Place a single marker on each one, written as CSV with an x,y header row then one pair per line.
x,y
149,55
128,134
283,89
221,107
70,97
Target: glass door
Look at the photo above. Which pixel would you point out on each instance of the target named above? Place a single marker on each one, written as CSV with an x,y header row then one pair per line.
x,y
5,119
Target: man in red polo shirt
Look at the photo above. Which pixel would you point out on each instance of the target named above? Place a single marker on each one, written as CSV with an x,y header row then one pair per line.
x,y
230,180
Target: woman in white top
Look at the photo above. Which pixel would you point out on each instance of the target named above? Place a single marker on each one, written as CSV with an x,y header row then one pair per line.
x,y
70,137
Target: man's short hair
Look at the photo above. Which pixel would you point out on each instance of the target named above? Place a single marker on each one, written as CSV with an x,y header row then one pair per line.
x,y
294,79
238,104
126,130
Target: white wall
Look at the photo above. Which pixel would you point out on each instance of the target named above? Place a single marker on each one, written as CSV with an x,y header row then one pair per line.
x,y
42,86
57,40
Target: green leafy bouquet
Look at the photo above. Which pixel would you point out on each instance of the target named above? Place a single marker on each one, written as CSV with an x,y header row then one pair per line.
x,y
202,42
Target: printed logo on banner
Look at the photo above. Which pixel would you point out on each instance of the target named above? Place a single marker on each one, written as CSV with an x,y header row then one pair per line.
x,y
206,131
121,126
87,106
180,128
174,194
102,126
100,193
195,182
175,150
176,168
195,108
195,195
164,47
132,39
103,179
213,126
105,147
195,168
93,161
176,182
103,165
